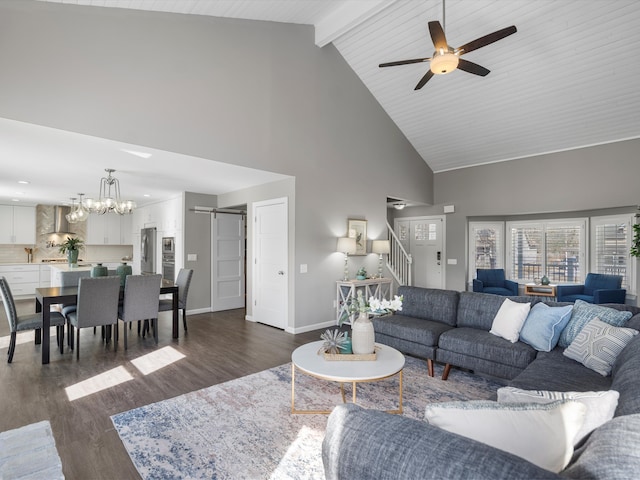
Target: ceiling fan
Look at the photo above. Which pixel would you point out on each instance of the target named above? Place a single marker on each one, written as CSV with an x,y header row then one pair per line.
x,y
446,59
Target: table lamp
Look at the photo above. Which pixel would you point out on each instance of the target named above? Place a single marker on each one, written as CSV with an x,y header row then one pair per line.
x,y
346,245
381,247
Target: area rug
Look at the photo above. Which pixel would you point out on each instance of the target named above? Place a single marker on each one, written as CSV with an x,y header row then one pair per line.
x,y
243,429
29,453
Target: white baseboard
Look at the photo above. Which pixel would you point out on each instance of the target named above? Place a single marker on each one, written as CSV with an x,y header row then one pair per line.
x,y
309,328
196,311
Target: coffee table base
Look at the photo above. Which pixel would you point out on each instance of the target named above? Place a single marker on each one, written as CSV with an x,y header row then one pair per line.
x,y
295,411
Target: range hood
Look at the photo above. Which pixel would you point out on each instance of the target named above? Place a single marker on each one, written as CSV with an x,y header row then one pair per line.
x,y
60,222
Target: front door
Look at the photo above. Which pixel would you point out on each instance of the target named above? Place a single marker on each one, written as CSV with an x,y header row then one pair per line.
x,y
422,237
228,239
270,303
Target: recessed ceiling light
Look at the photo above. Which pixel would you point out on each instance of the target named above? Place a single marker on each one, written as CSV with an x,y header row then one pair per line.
x,y
19,193
136,153
23,182
15,200
146,195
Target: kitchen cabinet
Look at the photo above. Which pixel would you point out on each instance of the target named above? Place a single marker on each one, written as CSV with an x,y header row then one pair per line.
x,y
23,279
108,229
17,224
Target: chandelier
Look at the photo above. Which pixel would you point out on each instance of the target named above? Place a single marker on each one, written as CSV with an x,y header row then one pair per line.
x,y
78,213
109,197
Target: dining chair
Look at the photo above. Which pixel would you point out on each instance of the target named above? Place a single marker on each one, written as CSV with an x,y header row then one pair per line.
x,y
18,323
97,306
141,293
183,281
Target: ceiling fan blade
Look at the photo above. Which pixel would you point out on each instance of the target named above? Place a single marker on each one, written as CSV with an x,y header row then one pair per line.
x,y
404,62
471,67
437,36
423,80
486,40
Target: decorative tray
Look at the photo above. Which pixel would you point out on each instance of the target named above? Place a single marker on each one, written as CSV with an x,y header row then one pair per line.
x,y
349,357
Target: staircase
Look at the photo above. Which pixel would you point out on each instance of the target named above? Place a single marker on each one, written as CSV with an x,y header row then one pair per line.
x,y
398,261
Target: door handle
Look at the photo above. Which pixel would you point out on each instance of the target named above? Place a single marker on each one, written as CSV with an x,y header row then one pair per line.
x,y
280,272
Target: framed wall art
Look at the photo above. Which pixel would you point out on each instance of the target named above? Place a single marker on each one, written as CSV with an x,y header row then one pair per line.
x,y
358,229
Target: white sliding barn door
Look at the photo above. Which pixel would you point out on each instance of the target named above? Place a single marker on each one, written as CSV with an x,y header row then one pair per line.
x,y
228,272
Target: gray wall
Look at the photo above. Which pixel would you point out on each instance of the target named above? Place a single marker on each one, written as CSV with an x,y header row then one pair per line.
x,y
257,94
583,180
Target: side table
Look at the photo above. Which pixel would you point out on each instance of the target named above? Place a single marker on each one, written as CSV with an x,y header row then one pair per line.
x,y
540,290
347,291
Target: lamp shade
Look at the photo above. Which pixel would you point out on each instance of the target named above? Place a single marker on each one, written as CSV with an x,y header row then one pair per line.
x,y
346,245
380,246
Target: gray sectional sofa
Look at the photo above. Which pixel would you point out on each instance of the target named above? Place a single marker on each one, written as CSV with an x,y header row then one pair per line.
x,y
453,328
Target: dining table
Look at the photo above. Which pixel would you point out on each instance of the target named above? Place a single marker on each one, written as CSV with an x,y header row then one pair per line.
x,y
47,296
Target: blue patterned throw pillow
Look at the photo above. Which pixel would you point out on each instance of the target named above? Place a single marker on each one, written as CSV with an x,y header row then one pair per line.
x,y
583,313
598,345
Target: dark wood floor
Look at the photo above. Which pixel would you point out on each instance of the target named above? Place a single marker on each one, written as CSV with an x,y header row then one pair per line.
x,y
218,347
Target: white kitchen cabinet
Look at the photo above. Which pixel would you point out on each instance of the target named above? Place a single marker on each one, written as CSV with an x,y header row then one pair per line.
x,y
17,224
108,229
23,279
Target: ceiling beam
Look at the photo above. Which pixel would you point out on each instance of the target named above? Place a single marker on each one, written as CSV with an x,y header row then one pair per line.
x,y
349,14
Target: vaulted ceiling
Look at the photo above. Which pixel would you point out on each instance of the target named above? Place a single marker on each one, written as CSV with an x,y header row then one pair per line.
x,y
567,79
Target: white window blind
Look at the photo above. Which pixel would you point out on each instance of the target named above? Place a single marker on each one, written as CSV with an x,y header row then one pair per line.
x,y
553,248
486,246
611,245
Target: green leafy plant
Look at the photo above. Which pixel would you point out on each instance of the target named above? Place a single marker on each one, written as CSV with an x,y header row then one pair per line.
x,y
635,243
71,244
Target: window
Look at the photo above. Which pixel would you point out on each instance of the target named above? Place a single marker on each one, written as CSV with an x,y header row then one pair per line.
x,y
556,249
610,247
486,246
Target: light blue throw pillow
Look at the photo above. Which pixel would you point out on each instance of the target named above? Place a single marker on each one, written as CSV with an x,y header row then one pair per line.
x,y
583,313
544,325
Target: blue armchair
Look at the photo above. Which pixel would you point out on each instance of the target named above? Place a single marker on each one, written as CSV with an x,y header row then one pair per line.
x,y
493,281
597,288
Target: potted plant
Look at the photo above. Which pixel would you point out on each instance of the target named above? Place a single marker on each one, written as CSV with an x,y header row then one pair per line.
x,y
635,243
71,246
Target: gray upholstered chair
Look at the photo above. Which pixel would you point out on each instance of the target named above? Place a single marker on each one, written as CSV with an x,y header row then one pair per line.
x,y
141,293
183,281
26,322
97,306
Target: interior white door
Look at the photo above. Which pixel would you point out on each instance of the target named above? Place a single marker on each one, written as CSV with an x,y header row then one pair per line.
x,y
423,239
227,272
270,262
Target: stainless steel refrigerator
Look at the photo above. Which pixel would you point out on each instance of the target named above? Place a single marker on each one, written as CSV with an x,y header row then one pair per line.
x,y
148,250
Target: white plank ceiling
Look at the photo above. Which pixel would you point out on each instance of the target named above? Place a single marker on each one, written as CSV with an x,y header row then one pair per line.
x,y
567,79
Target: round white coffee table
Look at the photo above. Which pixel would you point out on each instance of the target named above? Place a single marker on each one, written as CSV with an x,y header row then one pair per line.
x,y
307,359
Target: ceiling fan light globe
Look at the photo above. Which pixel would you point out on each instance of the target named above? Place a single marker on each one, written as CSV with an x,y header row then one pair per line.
x,y
444,63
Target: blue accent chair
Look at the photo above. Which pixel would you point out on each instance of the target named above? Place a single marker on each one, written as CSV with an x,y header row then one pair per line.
x,y
492,280
597,288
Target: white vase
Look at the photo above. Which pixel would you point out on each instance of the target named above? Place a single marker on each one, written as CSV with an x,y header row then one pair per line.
x,y
362,335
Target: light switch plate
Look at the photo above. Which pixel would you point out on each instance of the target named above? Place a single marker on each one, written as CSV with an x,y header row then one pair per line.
x,y
192,257
303,268
452,261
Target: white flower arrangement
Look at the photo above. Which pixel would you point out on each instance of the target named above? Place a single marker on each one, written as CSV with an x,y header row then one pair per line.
x,y
383,306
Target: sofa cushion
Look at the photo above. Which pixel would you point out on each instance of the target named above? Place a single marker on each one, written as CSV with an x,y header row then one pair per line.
x,y
429,303
584,312
509,320
366,444
477,310
601,406
479,344
540,433
598,345
543,326
426,332
610,452
553,371
625,378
